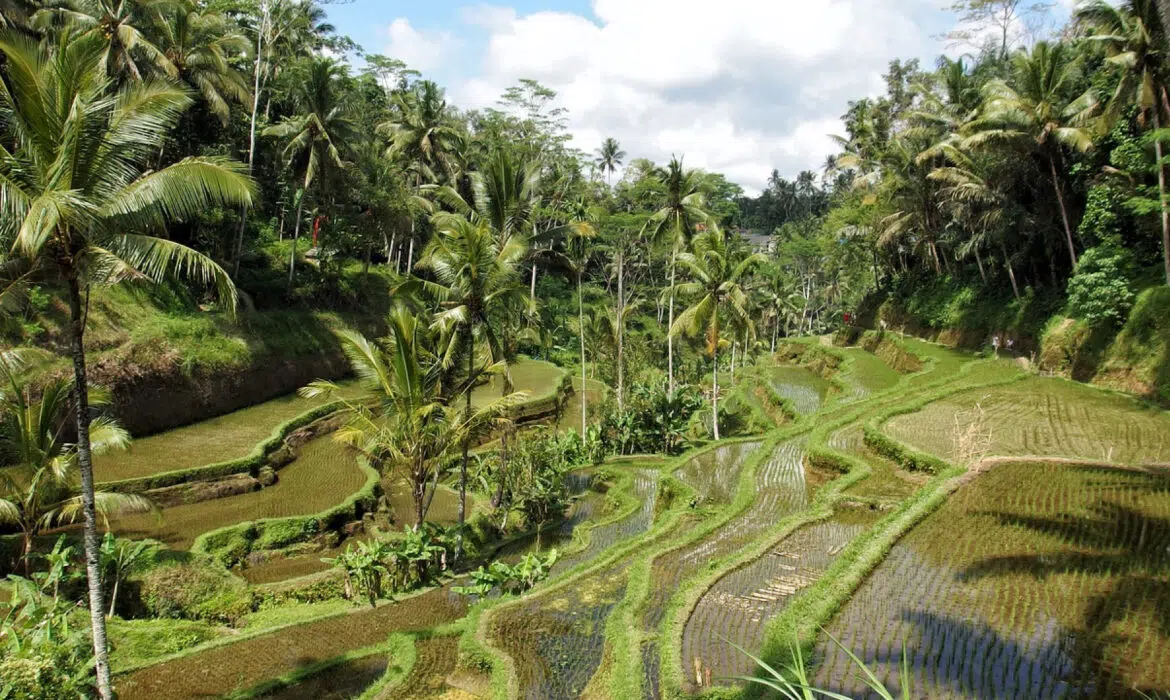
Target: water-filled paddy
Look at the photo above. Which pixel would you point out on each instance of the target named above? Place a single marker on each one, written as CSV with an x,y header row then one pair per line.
x,y
230,436
805,390
340,682
867,375
1045,417
1036,581
323,475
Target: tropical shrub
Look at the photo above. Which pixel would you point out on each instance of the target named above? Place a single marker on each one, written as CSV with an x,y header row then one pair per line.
x,y
1100,289
510,579
654,420
194,590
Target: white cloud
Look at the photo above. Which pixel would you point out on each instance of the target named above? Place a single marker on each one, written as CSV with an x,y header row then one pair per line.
x,y
423,51
739,86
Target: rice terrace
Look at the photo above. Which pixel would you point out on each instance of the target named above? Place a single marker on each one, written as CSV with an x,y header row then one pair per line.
x,y
441,373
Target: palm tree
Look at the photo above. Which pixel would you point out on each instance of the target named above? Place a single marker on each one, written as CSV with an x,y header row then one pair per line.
x,y
609,158
423,131
1135,40
476,279
200,45
1037,114
43,494
404,425
316,136
123,26
718,293
77,195
681,210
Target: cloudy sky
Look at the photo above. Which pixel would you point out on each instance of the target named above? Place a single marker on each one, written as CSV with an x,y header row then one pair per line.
x,y
735,86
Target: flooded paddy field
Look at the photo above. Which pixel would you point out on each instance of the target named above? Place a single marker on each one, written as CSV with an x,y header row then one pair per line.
x,y
867,376
341,682
323,475
1046,417
245,664
1031,581
805,390
736,609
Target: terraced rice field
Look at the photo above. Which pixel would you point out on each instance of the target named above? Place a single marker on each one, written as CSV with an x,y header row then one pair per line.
x,y
1032,581
714,474
245,664
804,389
736,608
322,476
557,639
435,659
340,682
1049,418
230,436
868,375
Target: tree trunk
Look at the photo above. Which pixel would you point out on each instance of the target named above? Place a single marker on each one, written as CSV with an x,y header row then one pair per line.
x,y
979,262
532,284
775,330
1011,273
431,497
715,385
28,547
670,327
621,331
733,347
89,510
256,69
292,257
113,598
366,262
410,255
1162,197
581,324
1072,251
466,449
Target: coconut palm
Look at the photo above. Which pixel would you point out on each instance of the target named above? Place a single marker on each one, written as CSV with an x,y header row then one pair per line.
x,y
1135,41
680,212
77,198
716,287
424,132
1036,114
476,279
403,424
41,466
201,44
609,158
123,26
316,136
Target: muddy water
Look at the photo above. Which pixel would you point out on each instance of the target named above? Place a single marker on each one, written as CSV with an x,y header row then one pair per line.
x,y
340,682
714,474
737,608
435,659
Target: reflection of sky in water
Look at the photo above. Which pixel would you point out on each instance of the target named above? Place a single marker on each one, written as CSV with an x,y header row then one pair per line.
x,y
951,655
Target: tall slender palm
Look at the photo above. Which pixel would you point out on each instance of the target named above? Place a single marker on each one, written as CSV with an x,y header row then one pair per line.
x,y
123,26
76,197
1135,40
476,276
316,136
1036,113
404,424
717,289
43,492
681,211
201,45
609,158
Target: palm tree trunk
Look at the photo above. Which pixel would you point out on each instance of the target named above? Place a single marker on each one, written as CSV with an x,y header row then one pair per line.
x,y
532,284
1162,196
28,546
410,254
85,467
733,347
292,257
113,598
256,68
621,331
581,326
1011,273
670,326
1072,252
979,262
466,450
775,330
715,386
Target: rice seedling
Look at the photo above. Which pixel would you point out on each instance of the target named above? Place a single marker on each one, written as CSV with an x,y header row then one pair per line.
x,y
1049,418
1035,580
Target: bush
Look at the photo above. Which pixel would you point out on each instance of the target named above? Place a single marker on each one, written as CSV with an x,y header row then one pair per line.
x,y
195,591
1099,292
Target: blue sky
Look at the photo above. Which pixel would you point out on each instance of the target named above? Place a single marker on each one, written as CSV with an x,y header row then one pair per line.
x,y
735,86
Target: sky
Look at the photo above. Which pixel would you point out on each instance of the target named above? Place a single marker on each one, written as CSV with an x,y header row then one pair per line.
x,y
732,86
